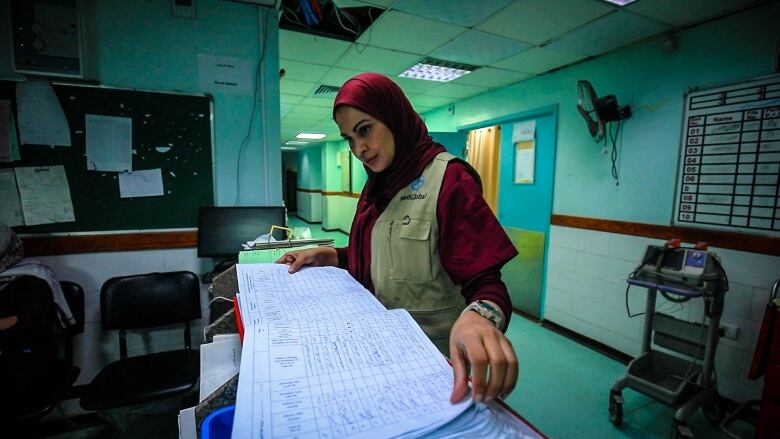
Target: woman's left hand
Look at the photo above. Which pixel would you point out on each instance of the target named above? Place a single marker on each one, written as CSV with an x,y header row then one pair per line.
x,y
476,342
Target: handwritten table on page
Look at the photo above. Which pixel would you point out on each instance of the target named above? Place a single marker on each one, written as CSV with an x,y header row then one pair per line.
x,y
323,358
376,375
270,293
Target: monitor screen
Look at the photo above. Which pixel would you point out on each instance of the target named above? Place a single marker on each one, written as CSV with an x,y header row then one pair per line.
x,y
222,230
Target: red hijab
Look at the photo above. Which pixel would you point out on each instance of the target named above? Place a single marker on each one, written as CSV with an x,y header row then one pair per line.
x,y
380,97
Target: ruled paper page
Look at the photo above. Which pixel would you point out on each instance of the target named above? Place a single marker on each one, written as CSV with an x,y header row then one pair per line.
x,y
375,375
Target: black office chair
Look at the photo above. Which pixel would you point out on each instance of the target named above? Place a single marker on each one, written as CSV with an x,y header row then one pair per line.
x,y
144,301
56,375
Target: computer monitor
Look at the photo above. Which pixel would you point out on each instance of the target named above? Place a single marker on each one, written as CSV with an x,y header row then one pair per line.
x,y
222,230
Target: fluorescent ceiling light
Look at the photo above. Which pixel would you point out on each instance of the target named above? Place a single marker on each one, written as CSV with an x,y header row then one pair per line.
x,y
295,142
431,69
620,2
288,148
315,136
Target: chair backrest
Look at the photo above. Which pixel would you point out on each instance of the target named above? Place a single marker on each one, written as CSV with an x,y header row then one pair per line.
x,y
148,300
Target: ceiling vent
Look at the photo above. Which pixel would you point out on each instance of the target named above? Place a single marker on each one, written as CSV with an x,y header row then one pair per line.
x,y
326,91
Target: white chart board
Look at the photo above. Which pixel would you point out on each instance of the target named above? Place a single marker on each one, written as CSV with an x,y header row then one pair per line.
x,y
730,159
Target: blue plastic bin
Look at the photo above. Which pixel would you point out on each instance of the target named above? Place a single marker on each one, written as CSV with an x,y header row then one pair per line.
x,y
219,424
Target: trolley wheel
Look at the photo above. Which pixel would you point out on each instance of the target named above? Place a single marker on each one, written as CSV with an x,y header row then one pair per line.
x,y
680,430
712,410
616,408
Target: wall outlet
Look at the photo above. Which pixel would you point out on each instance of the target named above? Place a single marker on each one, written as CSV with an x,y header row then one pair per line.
x,y
727,330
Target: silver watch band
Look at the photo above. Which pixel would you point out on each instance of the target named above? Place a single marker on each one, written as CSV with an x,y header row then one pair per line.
x,y
486,310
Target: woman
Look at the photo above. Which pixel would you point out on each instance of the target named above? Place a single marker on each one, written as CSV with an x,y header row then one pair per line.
x,y
423,238
31,376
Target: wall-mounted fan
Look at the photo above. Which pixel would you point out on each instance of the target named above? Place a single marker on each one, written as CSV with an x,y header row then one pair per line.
x,y
597,111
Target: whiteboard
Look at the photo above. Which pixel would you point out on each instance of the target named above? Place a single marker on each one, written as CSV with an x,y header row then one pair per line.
x,y
730,159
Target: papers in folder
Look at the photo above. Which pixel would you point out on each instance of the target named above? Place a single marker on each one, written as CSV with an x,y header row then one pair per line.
x,y
322,358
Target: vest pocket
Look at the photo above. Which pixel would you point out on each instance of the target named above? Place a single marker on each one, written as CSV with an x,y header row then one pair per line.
x,y
411,251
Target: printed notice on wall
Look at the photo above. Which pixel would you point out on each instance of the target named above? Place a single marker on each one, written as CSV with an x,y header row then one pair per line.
x,y
146,183
41,119
11,213
524,131
525,154
109,143
224,74
45,195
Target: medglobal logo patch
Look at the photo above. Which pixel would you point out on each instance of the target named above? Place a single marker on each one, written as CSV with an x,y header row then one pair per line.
x,y
414,197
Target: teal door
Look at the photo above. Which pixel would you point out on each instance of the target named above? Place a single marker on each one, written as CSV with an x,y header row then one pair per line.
x,y
524,210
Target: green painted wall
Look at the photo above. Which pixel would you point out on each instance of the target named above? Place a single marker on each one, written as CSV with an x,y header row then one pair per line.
x,y
729,50
139,44
310,168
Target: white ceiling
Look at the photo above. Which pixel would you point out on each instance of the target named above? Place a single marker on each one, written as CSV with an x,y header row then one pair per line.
x,y
512,40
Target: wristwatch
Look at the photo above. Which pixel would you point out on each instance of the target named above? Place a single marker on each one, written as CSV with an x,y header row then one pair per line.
x,y
486,310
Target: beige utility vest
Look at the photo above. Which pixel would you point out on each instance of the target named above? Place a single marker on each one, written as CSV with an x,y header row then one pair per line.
x,y
405,263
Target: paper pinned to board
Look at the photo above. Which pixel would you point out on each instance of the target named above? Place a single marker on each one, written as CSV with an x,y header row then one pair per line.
x,y
145,183
15,155
109,143
45,195
5,131
11,213
41,119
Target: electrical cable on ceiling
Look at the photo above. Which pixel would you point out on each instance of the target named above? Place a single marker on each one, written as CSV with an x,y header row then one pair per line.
x,y
308,14
338,12
245,141
315,6
287,11
370,29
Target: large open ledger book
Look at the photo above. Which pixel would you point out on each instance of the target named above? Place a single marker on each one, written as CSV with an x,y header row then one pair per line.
x,y
322,358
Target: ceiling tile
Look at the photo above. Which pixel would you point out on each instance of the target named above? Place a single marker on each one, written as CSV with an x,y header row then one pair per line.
x,y
414,86
607,33
536,21
456,91
400,31
422,108
430,101
300,71
309,110
338,76
381,3
690,11
310,48
289,99
479,48
379,60
292,87
464,13
537,60
326,102
491,77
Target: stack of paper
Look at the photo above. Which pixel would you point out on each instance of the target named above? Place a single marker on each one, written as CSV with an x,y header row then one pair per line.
x,y
322,358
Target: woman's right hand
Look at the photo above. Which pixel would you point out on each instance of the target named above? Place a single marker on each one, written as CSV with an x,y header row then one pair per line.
x,y
314,257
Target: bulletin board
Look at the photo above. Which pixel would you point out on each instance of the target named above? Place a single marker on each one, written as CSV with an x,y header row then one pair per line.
x,y
729,168
170,131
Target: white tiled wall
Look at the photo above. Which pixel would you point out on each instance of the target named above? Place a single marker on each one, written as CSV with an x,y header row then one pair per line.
x,y
95,348
586,292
